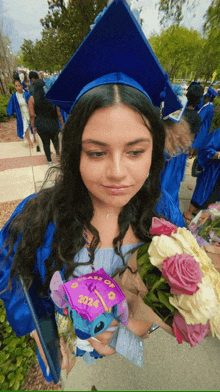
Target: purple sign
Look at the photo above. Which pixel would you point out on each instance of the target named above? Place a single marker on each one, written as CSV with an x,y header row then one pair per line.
x,y
93,294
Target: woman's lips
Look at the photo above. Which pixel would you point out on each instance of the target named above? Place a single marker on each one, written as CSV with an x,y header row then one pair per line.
x,y
116,190
116,187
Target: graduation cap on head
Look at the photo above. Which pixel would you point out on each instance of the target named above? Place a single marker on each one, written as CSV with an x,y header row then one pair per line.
x,y
115,51
211,93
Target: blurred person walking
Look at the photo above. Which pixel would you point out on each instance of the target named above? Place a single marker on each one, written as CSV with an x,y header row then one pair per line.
x,y
207,189
18,104
46,117
33,76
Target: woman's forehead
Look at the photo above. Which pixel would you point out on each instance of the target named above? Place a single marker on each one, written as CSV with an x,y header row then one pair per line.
x,y
116,122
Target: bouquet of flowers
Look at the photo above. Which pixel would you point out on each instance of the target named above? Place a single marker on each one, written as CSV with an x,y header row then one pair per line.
x,y
183,283
206,225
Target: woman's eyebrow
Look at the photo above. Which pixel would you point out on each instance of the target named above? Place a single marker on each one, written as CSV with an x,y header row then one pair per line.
x,y
99,143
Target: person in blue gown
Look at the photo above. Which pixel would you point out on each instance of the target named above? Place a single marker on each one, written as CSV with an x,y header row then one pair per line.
x,y
107,184
175,161
18,104
208,181
206,113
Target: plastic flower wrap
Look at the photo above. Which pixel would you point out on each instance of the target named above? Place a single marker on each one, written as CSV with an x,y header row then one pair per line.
x,y
206,226
183,283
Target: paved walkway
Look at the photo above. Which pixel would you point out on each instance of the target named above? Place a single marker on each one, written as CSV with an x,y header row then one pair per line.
x,y
167,365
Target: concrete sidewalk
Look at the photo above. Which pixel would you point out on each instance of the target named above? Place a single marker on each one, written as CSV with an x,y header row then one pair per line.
x,y
167,365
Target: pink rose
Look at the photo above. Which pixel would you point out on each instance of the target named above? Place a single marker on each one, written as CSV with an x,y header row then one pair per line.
x,y
161,226
188,333
183,273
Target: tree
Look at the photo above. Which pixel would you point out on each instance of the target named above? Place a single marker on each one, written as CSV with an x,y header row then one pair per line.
x,y
177,49
172,10
27,51
68,25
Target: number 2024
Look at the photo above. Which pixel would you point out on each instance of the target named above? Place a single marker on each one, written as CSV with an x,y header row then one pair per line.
x,y
83,299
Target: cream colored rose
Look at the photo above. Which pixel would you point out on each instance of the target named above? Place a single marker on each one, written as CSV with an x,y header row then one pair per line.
x,y
200,307
161,248
215,325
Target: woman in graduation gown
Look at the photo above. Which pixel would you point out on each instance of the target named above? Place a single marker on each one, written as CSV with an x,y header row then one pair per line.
x,y
209,159
18,104
206,113
107,184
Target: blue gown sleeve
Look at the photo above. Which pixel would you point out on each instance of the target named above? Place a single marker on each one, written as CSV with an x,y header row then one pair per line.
x,y
169,209
212,146
17,311
11,107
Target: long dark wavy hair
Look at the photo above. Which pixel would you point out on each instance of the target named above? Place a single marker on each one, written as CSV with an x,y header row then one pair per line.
x,y
68,205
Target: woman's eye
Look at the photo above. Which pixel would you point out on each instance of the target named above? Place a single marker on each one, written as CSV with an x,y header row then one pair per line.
x,y
95,154
135,153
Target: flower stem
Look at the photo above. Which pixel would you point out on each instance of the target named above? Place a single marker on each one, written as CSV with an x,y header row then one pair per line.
x,y
157,284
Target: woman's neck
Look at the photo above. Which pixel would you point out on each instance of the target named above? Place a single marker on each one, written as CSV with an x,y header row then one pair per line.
x,y
106,222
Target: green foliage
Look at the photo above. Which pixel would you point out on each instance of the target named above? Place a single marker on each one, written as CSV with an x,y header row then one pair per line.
x,y
172,10
12,88
64,28
3,106
16,355
159,291
177,49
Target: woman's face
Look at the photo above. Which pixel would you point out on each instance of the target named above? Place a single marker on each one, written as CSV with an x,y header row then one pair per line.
x,y
18,87
116,155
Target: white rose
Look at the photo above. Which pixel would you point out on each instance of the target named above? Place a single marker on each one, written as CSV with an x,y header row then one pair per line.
x,y
161,248
200,307
215,324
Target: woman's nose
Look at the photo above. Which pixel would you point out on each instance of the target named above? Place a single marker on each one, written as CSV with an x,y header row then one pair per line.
x,y
116,167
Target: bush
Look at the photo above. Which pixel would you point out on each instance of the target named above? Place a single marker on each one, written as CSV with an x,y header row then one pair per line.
x,y
3,106
12,88
216,121
16,355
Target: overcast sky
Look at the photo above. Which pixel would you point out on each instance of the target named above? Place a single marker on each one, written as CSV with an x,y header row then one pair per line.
x,y
21,18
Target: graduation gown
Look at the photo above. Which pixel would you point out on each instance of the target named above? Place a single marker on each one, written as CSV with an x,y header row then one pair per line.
x,y
206,113
207,180
13,107
172,175
17,310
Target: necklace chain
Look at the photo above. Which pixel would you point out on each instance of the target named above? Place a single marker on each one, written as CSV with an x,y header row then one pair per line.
x,y
85,234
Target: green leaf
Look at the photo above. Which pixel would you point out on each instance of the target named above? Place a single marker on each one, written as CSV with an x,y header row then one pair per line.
x,y
19,376
11,383
2,318
2,379
6,341
11,376
19,361
16,385
28,352
14,342
151,279
164,300
143,250
18,351
9,329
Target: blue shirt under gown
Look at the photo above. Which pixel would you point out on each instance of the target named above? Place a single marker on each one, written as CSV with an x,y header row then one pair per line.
x,y
207,180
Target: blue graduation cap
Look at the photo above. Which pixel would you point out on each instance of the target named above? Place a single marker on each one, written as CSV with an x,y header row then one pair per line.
x,y
211,93
115,51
